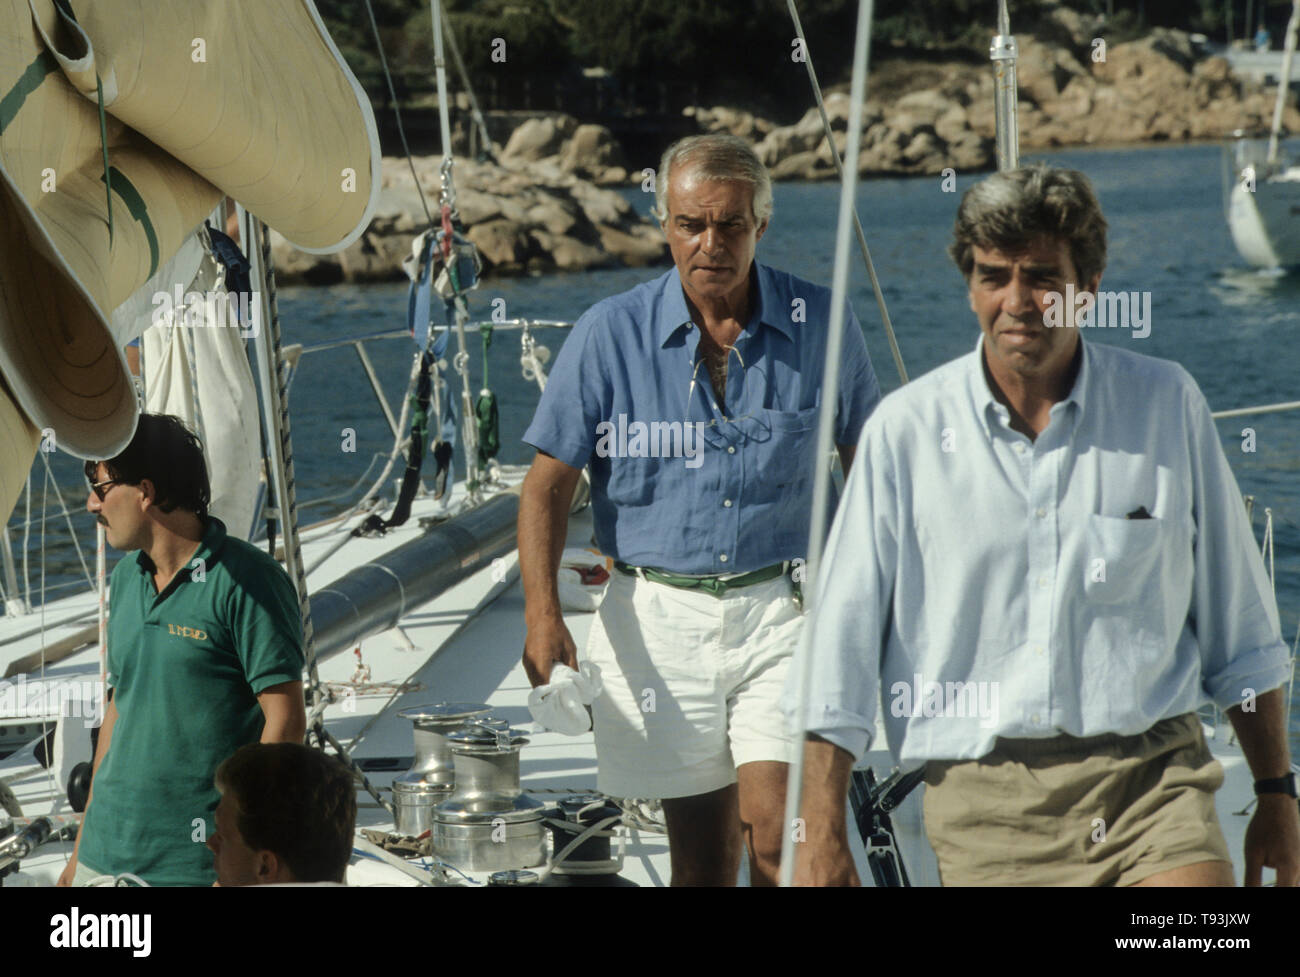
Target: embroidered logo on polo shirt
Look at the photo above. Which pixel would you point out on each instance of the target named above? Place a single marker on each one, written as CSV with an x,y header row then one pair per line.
x,y
187,632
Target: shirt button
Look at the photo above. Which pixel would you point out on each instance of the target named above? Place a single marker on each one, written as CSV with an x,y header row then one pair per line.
x,y
1034,719
722,557
1040,512
1018,448
1042,581
1038,650
726,503
731,449
715,405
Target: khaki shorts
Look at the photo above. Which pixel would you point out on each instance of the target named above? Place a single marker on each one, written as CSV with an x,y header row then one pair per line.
x,y
1104,810
693,684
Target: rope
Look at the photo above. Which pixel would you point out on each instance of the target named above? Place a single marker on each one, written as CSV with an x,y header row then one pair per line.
x,y
27,535
323,737
857,223
486,411
419,403
581,839
287,507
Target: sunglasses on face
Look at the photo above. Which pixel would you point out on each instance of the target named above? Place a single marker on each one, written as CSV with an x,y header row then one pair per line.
x,y
99,488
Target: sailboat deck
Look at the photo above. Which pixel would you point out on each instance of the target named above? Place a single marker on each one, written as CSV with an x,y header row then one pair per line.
x,y
464,645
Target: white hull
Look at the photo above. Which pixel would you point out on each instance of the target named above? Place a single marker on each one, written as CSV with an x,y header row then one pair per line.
x,y
1265,224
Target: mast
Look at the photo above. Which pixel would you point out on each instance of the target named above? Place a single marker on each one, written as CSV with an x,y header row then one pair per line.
x,y
1283,81
1002,52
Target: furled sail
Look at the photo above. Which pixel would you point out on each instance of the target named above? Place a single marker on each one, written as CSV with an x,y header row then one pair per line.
x,y
144,112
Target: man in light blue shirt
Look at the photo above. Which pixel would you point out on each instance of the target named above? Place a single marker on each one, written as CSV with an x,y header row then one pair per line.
x,y
694,400
1042,567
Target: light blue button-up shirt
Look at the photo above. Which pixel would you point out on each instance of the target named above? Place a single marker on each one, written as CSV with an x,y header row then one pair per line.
x,y
979,584
681,481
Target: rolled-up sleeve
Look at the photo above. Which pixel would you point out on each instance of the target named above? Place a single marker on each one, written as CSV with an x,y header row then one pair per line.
x,y
851,617
1233,613
859,391
575,399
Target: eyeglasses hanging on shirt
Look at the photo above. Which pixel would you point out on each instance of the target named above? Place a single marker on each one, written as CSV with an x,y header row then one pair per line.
x,y
721,408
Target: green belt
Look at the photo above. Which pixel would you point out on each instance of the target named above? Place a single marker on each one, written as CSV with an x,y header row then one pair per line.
x,y
717,586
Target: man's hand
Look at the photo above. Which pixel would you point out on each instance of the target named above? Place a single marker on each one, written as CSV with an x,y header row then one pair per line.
x,y
101,751
543,518
547,642
1273,835
824,858
1273,840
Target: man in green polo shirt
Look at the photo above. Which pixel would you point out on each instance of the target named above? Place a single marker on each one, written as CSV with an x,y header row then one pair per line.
x,y
204,656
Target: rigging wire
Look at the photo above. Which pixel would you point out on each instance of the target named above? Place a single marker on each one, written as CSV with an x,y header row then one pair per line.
x,y
857,223
397,112
72,530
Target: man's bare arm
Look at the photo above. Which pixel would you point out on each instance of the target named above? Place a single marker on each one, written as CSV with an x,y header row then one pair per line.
x,y
543,525
101,751
824,858
1273,836
284,712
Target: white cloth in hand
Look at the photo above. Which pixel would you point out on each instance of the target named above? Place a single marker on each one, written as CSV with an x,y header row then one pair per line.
x,y
560,705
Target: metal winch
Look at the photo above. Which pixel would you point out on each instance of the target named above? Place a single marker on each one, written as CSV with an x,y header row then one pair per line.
x,y
488,824
432,777
593,856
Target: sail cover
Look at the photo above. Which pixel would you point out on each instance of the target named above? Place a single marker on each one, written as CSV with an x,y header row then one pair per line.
x,y
199,98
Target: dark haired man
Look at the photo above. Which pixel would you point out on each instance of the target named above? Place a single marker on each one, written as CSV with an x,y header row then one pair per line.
x,y
287,814
204,656
1046,537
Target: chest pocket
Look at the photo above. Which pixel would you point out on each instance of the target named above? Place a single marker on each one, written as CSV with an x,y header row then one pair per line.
x,y
1122,558
781,448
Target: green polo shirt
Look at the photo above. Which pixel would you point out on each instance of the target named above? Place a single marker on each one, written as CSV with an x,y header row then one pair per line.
x,y
186,666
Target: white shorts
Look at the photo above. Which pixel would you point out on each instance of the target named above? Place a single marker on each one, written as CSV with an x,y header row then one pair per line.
x,y
693,684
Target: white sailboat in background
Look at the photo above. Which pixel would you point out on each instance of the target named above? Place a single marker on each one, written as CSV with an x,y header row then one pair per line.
x,y
1263,201
421,626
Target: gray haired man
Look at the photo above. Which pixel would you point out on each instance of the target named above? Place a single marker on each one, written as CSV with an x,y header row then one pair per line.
x,y
711,378
1048,527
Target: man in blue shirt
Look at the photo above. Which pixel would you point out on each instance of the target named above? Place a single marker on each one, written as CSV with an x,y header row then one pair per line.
x,y
1043,566
694,398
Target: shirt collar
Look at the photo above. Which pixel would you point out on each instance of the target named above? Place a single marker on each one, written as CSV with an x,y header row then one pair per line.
x,y
214,538
984,401
674,314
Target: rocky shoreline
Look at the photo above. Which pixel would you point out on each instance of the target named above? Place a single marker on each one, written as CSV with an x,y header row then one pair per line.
x,y
547,204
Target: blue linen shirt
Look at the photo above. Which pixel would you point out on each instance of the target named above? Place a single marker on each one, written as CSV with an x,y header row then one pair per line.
x,y
679,481
979,584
